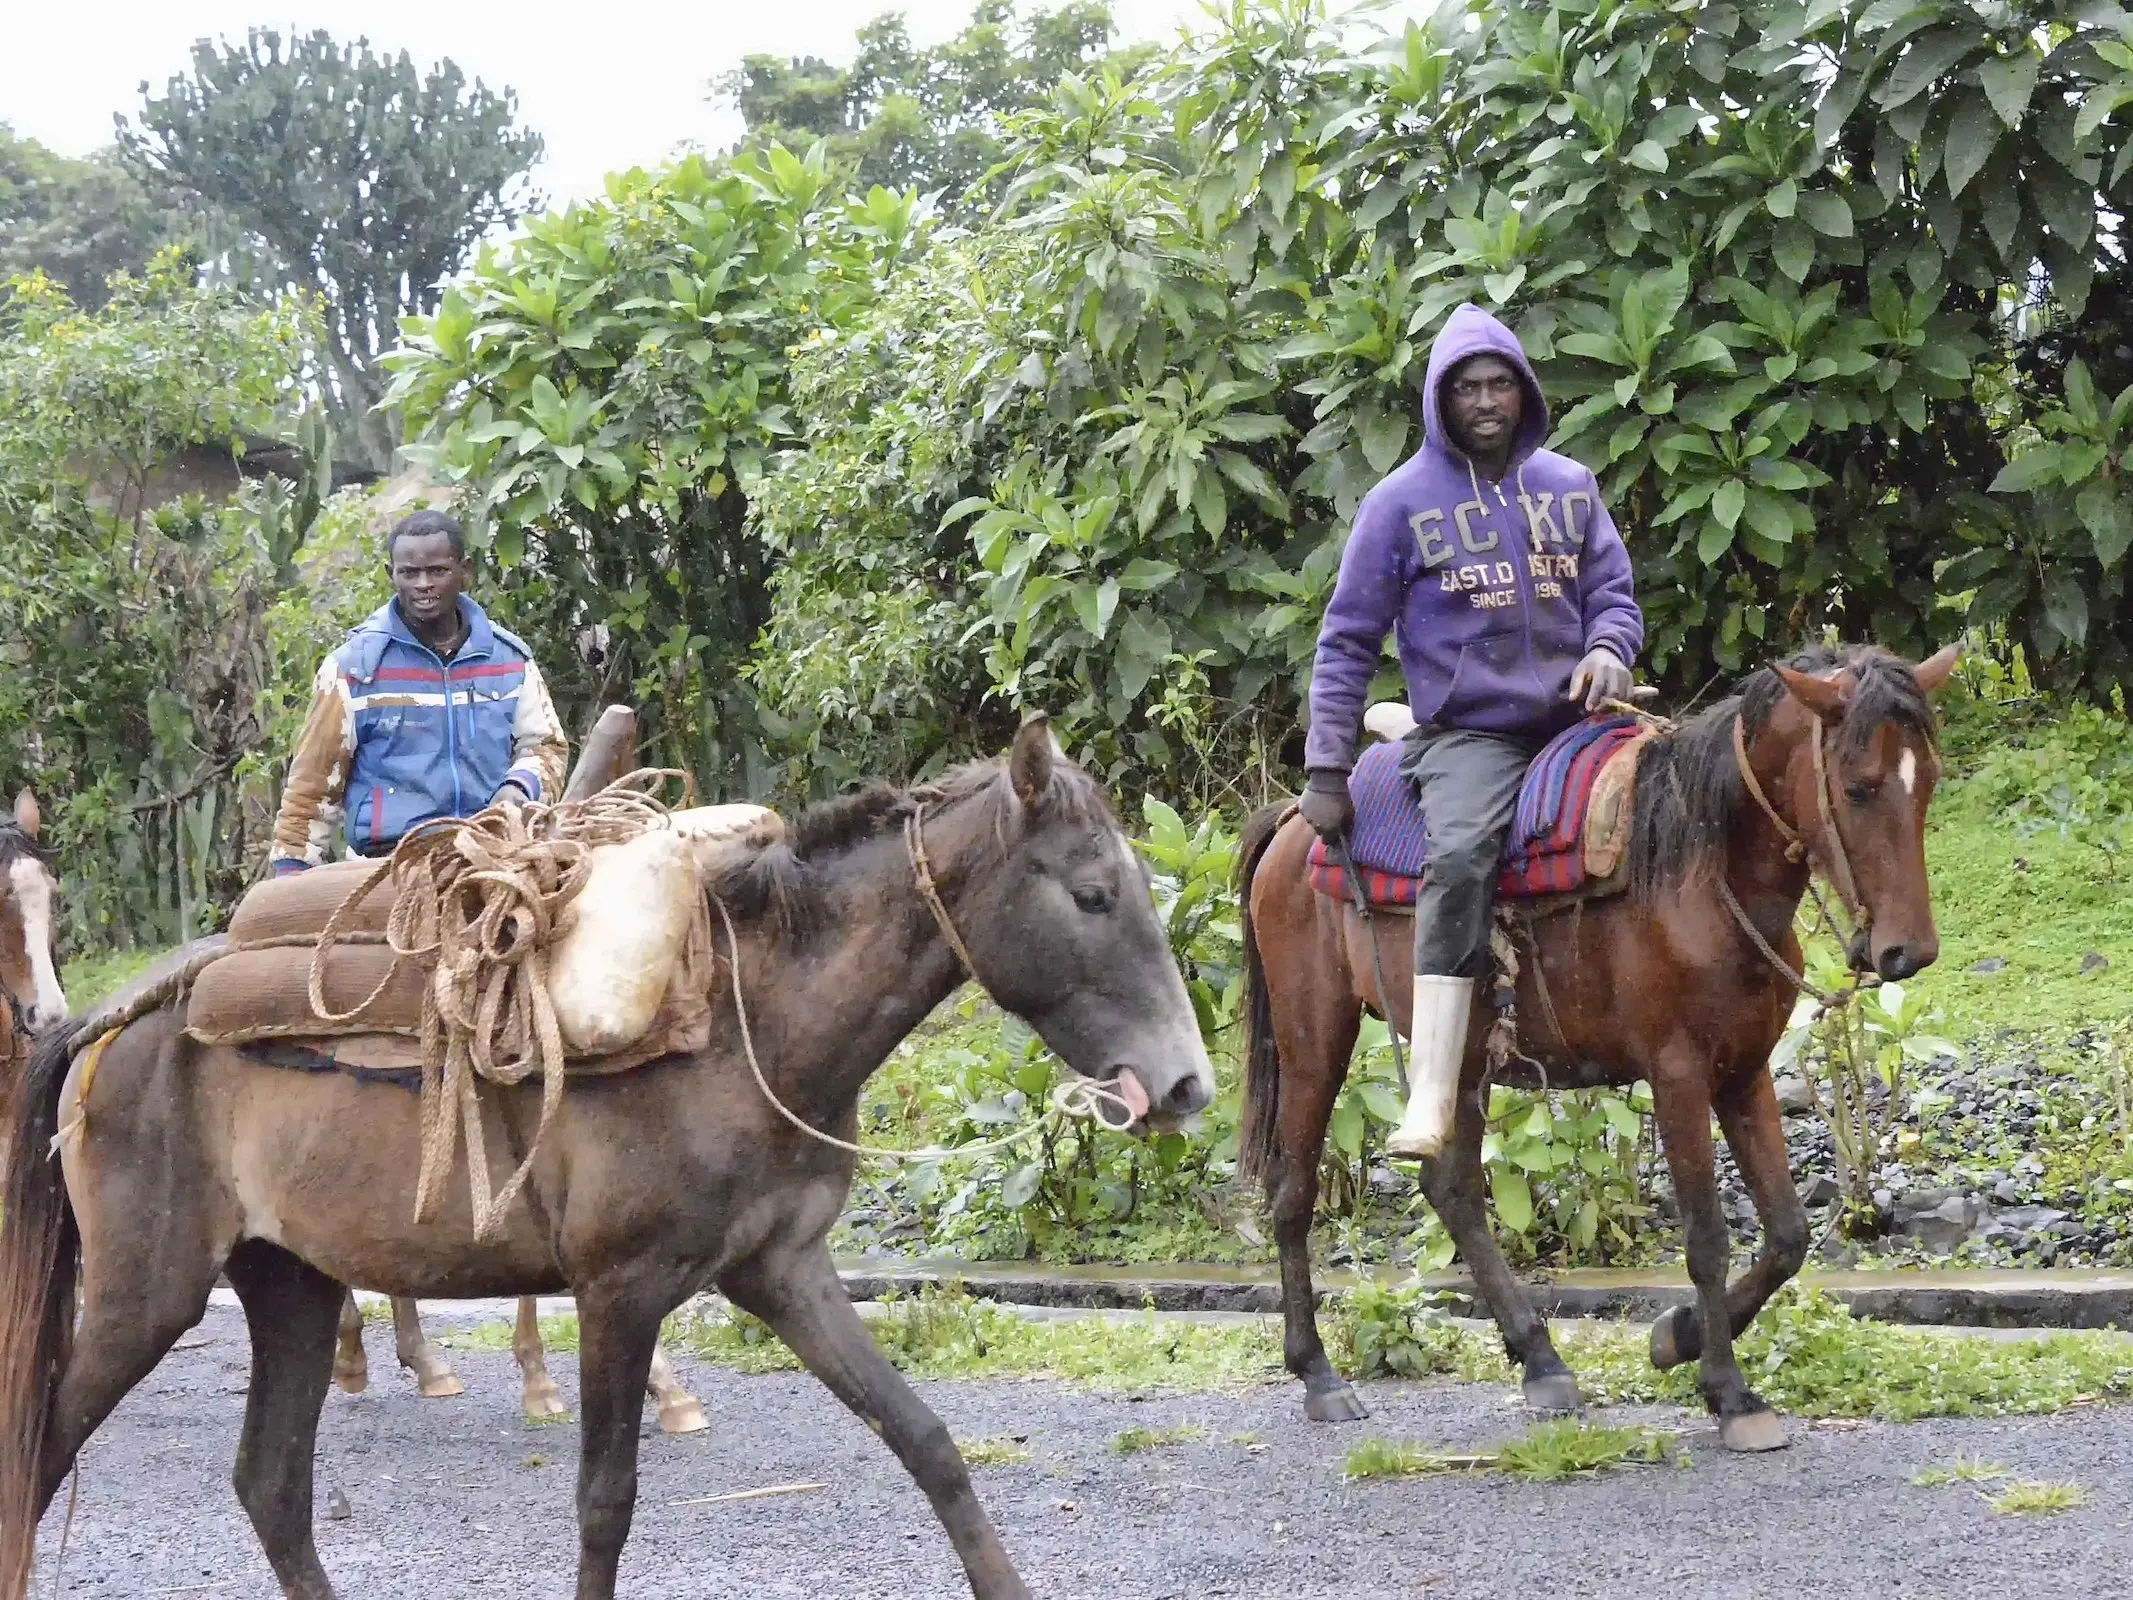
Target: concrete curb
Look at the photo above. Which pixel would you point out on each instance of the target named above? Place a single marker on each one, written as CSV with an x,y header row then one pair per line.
x,y
2043,1299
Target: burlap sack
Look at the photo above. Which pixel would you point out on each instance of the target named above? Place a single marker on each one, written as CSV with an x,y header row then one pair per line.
x,y
301,903
263,994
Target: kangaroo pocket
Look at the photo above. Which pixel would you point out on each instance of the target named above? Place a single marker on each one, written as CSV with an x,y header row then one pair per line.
x,y
1488,674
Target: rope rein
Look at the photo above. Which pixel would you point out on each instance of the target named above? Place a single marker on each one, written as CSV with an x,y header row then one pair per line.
x,y
1833,858
1072,1097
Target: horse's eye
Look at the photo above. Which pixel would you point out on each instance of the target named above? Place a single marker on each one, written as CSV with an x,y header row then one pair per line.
x,y
1093,900
1860,793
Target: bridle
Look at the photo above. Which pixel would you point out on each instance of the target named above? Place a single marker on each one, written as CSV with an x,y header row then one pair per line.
x,y
1074,1097
1831,857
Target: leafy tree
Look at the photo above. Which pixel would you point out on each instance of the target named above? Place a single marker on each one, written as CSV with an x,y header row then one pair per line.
x,y
608,393
77,222
1763,254
900,117
347,175
142,672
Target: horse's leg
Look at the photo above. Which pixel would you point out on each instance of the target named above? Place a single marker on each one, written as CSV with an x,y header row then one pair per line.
x,y
1682,1102
1748,1112
1315,1022
433,1374
540,1398
616,1337
293,1311
800,1296
679,1410
1454,1183
117,1343
351,1368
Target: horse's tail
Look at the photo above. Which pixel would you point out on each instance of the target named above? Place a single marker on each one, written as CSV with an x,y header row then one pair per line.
x,y
38,1239
1259,1139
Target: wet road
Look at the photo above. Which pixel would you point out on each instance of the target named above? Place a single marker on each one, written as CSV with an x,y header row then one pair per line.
x,y
456,1498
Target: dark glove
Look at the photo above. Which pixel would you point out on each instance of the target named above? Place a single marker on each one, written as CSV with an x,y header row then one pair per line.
x,y
1599,678
1326,806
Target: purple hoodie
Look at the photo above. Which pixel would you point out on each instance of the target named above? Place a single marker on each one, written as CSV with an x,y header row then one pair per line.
x,y
1493,591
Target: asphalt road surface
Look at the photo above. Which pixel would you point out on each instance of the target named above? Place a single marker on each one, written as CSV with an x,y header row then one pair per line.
x,y
449,1499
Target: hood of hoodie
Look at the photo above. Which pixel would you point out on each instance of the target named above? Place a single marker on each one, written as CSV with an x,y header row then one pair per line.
x,y
1471,331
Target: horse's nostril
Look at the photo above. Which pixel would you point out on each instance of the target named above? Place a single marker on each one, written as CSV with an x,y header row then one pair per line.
x,y
1188,1095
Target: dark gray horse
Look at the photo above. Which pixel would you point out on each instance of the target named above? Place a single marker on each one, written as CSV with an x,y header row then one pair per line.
x,y
652,1184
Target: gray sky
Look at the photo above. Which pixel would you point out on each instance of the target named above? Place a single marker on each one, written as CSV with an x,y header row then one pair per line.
x,y
610,84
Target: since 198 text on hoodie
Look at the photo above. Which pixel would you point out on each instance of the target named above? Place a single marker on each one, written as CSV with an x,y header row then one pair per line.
x,y
1493,590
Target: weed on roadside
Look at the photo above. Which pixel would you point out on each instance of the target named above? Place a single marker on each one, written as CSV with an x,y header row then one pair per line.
x,y
1966,1469
2028,1499
1549,1453
998,1451
1132,1441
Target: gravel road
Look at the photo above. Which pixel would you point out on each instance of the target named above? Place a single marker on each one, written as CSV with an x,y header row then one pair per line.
x,y
457,1498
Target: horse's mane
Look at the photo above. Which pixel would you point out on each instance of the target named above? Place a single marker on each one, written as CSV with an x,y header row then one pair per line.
x,y
15,843
786,885
1689,784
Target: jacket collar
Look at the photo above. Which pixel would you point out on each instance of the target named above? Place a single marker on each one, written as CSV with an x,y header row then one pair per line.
x,y
481,636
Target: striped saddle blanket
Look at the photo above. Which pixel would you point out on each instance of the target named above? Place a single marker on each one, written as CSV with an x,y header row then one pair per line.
x,y
1570,834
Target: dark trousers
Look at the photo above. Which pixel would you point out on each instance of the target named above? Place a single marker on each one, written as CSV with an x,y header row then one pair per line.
x,y
1468,784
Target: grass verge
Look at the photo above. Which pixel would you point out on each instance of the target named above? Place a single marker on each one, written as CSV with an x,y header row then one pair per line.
x,y
1549,1453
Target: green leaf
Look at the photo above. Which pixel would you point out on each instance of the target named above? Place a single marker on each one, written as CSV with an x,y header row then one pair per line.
x,y
1210,502
1019,1187
1648,155
1143,642
2108,518
2027,472
1827,212
2008,83
1514,1201
1972,134
1929,56
1715,540
1794,252
1784,199
1142,573
1384,439
1727,500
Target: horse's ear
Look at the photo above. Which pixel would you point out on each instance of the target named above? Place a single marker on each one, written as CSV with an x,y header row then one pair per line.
x,y
1933,673
1029,763
1825,697
27,817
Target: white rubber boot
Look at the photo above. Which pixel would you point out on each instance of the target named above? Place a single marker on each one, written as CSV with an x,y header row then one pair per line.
x,y
1436,1048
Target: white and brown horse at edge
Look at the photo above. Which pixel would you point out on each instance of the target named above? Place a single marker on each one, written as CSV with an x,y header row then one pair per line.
x,y
29,917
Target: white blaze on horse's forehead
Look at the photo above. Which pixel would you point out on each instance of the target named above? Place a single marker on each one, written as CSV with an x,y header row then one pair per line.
x,y
31,882
1907,770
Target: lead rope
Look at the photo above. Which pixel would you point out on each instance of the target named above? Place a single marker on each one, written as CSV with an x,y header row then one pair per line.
x,y
1074,1097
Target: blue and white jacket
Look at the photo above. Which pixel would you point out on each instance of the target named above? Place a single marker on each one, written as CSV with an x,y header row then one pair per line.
x,y
397,736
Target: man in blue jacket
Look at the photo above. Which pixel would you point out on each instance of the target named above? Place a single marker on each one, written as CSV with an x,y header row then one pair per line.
x,y
1507,588
428,709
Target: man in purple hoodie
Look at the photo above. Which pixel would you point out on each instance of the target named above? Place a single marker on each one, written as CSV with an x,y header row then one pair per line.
x,y
1507,588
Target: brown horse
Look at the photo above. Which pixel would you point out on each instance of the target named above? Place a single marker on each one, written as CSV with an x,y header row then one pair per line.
x,y
1829,762
679,1410
651,1184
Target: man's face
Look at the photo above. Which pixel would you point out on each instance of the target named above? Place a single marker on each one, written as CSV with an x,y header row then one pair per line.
x,y
427,577
1483,404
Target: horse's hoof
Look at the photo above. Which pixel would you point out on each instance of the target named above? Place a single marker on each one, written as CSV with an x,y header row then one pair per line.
x,y
1555,1393
1675,1338
352,1378
1335,1405
435,1378
685,1415
543,1402
1753,1432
